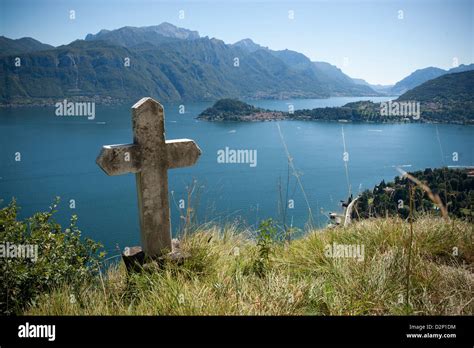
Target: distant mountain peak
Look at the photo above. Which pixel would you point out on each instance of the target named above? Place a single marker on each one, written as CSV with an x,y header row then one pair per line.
x,y
22,45
421,76
429,68
247,42
248,45
130,36
170,30
167,24
103,31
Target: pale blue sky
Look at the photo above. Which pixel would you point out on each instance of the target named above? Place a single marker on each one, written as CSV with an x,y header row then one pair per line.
x,y
379,47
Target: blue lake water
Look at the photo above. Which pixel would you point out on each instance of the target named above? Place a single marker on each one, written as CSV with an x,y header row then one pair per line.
x,y
58,159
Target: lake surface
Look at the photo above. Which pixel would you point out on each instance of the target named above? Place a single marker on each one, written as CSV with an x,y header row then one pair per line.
x,y
58,159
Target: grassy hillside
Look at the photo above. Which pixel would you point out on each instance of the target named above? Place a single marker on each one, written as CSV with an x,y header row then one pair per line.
x,y
233,272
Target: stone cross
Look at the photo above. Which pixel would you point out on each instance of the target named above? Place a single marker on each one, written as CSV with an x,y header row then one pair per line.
x,y
149,157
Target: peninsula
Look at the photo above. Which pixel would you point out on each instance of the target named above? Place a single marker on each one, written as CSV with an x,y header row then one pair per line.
x,y
446,99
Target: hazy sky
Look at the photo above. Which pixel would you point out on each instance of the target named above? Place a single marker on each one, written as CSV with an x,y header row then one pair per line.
x,y
372,40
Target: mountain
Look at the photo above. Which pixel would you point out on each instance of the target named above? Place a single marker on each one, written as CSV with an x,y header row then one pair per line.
x,y
456,87
132,36
461,68
422,75
170,64
81,68
26,44
294,59
361,82
248,45
201,69
382,89
338,83
446,99
331,78
416,78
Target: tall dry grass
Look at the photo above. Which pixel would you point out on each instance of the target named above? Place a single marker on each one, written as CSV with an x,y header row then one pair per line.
x,y
219,277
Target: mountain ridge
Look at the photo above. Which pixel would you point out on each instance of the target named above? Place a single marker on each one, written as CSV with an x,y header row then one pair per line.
x,y
173,64
420,76
23,45
168,63
129,36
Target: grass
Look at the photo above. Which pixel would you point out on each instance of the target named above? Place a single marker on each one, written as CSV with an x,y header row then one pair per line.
x,y
298,278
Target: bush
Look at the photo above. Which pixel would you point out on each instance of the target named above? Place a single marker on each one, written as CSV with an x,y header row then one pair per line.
x,y
57,257
266,236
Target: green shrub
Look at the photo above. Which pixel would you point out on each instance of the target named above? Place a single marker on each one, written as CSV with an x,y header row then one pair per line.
x,y
267,234
57,257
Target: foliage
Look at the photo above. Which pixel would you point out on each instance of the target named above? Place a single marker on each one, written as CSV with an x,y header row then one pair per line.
x,y
454,187
229,110
456,87
266,237
62,257
446,98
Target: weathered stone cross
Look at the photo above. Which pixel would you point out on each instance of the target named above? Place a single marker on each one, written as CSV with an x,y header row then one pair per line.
x,y
149,157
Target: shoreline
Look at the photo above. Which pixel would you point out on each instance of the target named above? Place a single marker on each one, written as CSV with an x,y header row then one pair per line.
x,y
280,115
101,100
336,121
362,111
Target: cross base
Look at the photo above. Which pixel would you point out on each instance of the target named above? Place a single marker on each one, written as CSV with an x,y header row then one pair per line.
x,y
135,259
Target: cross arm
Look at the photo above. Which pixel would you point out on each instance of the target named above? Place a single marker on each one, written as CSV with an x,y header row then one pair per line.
x,y
182,153
125,158
119,159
